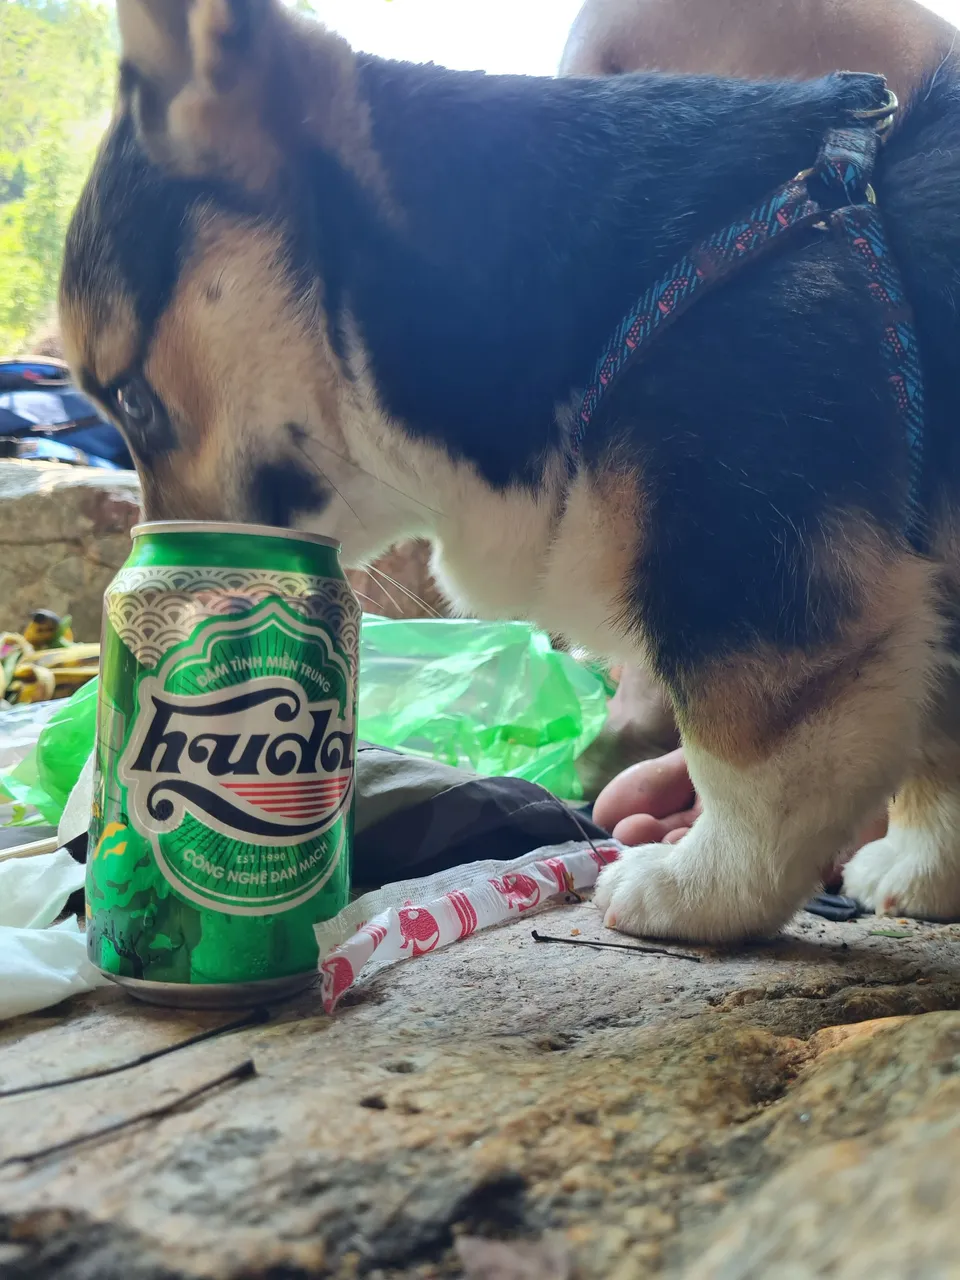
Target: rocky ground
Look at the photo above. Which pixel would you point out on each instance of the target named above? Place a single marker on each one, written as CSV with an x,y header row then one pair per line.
x,y
503,1110
518,1111
64,533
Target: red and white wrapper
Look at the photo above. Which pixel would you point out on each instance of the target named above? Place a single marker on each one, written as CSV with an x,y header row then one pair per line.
x,y
413,917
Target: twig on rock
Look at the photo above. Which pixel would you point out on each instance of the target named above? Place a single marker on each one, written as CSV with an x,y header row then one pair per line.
x,y
254,1019
243,1071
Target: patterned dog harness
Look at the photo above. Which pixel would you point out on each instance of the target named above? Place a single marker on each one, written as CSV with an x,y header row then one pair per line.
x,y
834,195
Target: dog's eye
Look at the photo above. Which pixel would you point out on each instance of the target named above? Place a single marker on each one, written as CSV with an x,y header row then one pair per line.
x,y
137,403
143,417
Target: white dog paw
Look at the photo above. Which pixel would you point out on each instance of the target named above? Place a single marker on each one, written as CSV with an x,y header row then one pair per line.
x,y
907,873
671,891
638,892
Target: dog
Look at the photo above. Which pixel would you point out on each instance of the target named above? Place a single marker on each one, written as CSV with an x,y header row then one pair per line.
x,y
331,292
752,39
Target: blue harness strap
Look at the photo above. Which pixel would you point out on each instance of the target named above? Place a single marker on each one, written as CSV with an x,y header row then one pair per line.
x,y
834,195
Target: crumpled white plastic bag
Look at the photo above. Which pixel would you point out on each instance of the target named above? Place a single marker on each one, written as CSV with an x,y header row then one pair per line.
x,y
20,728
39,965
75,818
33,891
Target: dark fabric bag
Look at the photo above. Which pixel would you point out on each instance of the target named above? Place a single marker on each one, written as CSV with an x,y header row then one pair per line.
x,y
415,817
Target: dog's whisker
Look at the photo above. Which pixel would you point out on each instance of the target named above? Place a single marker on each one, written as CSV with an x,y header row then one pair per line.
x,y
386,483
384,578
411,595
313,462
374,604
368,568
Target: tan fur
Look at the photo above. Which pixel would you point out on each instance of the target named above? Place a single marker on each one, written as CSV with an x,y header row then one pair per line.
x,y
786,774
340,118
760,39
744,710
211,27
788,753
154,36
919,796
199,107
595,550
233,297
102,338
534,558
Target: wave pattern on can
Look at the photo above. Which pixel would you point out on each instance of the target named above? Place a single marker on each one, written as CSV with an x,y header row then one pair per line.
x,y
153,608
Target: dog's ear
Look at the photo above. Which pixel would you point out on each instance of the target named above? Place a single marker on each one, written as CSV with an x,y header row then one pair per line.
x,y
232,89
204,81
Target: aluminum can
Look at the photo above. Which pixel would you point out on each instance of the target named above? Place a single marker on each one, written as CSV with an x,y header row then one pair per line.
x,y
222,816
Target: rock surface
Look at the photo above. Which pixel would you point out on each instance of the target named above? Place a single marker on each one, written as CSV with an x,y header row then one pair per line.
x,y
65,531
513,1110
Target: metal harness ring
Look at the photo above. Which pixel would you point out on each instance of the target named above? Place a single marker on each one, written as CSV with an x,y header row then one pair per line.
x,y
884,115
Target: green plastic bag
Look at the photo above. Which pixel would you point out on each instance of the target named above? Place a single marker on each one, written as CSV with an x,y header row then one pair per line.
x,y
494,697
45,778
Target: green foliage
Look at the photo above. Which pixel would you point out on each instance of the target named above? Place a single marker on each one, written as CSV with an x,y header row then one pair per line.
x,y
57,66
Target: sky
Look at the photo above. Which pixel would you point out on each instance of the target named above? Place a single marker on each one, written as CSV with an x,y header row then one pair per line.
x,y
525,36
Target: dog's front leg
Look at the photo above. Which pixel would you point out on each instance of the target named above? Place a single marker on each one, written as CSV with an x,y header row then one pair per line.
x,y
788,753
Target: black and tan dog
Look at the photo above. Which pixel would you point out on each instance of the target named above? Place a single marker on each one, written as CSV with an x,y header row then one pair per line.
x,y
327,291
751,40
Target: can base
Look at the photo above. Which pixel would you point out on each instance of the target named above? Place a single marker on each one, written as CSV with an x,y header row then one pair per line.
x,y
218,995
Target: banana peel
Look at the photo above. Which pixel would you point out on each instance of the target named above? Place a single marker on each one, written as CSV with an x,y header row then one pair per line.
x,y
31,684
68,657
31,675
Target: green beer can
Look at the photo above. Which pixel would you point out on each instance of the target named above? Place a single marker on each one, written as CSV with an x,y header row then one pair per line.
x,y
223,792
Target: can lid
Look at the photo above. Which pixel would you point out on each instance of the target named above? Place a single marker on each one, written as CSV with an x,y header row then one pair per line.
x,y
216,526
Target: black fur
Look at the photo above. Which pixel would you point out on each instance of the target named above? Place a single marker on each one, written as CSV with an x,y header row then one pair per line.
x,y
533,213
280,491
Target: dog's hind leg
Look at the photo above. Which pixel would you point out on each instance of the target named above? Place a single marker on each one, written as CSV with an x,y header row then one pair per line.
x,y
915,869
789,752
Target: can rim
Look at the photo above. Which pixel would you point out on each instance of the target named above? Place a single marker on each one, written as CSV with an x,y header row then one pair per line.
x,y
223,526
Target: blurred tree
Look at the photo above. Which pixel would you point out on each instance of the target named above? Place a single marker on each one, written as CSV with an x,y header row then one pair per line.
x,y
57,67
